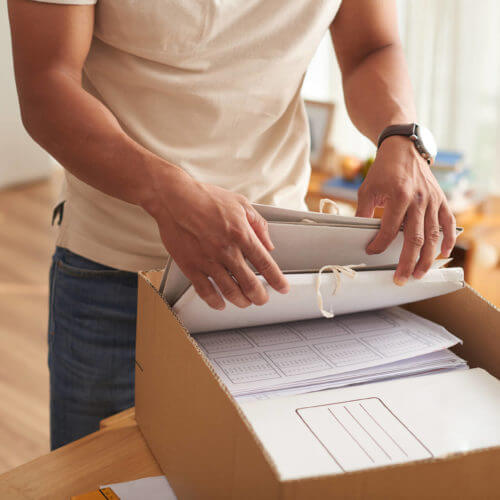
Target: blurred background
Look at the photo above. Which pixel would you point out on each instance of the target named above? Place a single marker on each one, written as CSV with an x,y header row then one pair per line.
x,y
453,52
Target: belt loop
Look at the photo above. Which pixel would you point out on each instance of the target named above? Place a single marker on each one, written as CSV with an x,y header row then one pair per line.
x,y
58,212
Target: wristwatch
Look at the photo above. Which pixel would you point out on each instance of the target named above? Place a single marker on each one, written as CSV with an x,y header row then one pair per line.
x,y
420,136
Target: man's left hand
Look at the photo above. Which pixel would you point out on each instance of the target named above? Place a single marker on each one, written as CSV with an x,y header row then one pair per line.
x,y
401,181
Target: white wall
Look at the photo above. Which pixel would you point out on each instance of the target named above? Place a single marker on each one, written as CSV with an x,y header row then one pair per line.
x,y
453,53
21,160
323,82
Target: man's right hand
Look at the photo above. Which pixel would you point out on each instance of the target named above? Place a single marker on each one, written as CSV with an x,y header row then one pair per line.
x,y
212,233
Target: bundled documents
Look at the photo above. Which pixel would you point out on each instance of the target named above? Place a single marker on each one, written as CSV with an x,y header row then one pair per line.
x,y
291,344
306,241
310,355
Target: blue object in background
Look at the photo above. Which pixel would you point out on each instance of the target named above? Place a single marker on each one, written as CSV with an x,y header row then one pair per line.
x,y
448,159
339,187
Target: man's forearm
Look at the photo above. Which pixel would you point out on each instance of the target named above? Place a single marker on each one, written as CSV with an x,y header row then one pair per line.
x,y
85,137
378,91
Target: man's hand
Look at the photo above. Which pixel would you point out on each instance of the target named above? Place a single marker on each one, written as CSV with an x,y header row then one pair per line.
x,y
210,232
401,181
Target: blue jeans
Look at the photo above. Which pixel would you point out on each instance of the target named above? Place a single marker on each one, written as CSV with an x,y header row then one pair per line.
x,y
91,337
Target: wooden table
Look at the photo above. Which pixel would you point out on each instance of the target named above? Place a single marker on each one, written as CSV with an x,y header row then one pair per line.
x,y
114,454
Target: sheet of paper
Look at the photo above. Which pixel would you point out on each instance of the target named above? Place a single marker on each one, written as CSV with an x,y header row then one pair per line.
x,y
257,359
150,488
378,424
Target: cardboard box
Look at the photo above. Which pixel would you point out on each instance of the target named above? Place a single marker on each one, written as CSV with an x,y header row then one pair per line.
x,y
207,449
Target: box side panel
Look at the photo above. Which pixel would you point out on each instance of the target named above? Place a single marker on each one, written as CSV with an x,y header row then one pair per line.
x,y
154,277
471,318
251,478
470,476
191,425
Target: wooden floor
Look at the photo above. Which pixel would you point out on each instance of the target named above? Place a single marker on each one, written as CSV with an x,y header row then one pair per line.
x,y
26,245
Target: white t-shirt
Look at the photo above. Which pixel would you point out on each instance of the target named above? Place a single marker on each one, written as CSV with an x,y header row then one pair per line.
x,y
212,86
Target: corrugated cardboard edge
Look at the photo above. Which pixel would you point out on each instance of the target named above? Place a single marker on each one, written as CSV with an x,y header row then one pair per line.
x,y
472,475
254,475
231,463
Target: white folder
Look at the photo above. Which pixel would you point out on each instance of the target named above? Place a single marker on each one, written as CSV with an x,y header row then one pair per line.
x,y
379,424
368,290
303,247
306,241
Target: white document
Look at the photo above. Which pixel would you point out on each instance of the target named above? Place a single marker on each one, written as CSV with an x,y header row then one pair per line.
x,y
368,290
305,353
379,424
150,488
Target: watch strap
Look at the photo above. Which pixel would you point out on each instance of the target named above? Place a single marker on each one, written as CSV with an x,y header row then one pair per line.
x,y
406,130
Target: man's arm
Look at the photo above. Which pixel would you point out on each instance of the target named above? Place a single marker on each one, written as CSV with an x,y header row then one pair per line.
x,y
378,93
208,231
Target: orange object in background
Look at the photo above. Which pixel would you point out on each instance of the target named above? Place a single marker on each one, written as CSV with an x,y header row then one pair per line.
x,y
100,494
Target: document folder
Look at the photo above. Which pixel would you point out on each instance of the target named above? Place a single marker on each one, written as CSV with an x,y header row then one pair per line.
x,y
368,290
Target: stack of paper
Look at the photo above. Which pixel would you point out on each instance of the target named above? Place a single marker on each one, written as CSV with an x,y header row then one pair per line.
x,y
310,355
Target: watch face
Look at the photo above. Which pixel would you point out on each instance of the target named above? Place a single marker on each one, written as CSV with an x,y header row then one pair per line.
x,y
427,140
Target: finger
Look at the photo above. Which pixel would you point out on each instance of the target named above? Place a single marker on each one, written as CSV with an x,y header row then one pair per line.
x,y
206,290
366,204
227,286
413,242
187,259
392,218
255,252
448,223
251,286
259,225
432,235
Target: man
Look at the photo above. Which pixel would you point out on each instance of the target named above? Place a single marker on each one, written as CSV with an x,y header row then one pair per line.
x,y
170,118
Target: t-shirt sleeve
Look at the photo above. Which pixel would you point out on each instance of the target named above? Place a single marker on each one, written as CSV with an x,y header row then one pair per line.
x,y
68,2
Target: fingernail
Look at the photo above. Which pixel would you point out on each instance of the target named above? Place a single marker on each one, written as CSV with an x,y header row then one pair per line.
x,y
370,251
418,274
284,289
400,280
220,307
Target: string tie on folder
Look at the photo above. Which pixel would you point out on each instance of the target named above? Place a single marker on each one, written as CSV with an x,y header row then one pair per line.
x,y
322,204
326,201
337,271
